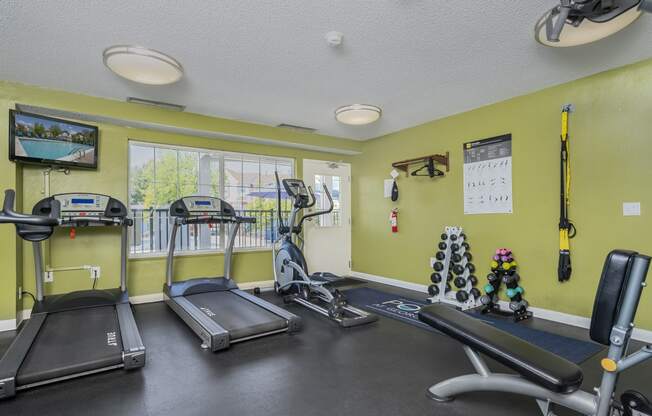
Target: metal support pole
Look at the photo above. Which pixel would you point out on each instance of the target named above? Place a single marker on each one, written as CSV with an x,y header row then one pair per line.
x,y
169,269
124,247
38,270
228,252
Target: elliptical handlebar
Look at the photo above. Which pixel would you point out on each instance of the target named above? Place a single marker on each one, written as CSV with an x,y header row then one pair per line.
x,y
278,201
316,213
9,216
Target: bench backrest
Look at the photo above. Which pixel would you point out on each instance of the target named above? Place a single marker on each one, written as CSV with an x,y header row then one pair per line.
x,y
613,282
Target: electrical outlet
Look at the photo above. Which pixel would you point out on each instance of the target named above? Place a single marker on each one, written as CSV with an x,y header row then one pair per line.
x,y
95,272
49,277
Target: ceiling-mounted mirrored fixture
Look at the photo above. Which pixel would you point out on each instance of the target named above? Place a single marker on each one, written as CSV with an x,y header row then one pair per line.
x,y
142,65
577,22
357,114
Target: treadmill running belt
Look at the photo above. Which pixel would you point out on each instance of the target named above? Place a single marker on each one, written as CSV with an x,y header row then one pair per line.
x,y
72,342
237,315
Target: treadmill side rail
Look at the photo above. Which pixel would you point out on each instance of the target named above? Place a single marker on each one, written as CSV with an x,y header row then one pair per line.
x,y
294,321
15,355
212,335
133,349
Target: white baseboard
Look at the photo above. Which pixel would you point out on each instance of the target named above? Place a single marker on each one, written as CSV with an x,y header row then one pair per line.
x,y
642,335
149,298
264,286
390,281
7,325
12,324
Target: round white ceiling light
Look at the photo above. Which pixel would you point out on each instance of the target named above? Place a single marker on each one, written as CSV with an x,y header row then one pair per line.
x,y
578,22
142,65
358,114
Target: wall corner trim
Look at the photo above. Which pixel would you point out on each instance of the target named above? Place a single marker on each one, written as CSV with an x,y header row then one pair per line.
x,y
642,335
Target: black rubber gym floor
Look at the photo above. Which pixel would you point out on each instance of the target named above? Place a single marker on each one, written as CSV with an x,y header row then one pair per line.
x,y
378,369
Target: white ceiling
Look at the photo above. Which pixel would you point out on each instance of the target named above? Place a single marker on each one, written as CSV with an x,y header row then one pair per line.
x,y
267,61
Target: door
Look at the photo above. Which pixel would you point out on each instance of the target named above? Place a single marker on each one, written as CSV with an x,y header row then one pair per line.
x,y
328,237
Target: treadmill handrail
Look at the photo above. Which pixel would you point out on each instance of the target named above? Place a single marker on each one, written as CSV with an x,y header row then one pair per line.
x,y
9,216
214,219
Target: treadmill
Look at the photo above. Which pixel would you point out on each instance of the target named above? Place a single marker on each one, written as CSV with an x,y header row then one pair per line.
x,y
213,307
78,333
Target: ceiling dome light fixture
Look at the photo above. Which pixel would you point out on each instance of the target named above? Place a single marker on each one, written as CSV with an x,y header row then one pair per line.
x,y
358,114
578,22
142,65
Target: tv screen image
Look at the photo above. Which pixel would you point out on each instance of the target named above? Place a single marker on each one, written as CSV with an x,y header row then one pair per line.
x,y
50,141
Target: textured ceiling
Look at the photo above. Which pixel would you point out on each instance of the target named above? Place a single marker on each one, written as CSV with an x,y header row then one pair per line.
x,y
267,61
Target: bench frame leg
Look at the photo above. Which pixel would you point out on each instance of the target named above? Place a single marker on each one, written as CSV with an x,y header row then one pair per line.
x,y
485,380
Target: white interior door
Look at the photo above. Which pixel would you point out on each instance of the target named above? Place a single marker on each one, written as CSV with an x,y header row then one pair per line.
x,y
328,237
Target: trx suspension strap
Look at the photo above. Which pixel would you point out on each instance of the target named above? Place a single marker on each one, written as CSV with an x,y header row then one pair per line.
x,y
566,227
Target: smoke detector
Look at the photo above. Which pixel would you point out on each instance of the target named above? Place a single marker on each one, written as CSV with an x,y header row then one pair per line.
x,y
334,38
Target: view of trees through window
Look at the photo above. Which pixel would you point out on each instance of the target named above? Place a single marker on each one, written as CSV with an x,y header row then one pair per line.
x,y
158,175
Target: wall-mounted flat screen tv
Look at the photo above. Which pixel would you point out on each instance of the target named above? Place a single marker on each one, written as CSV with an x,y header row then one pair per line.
x,y
34,138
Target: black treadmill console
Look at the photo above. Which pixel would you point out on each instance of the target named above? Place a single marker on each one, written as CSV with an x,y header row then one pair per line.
x,y
297,190
202,209
85,209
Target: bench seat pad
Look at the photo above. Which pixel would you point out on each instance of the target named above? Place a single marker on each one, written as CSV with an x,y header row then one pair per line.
x,y
533,363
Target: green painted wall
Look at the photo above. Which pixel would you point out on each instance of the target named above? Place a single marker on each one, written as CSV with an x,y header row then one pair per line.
x,y
9,254
100,246
611,147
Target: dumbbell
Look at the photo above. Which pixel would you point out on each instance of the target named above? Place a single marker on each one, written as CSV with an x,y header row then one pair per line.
x,y
511,279
455,247
435,277
453,237
508,266
438,266
462,295
458,258
440,255
473,279
466,246
459,269
517,306
444,237
475,292
463,236
449,277
442,245
433,290
492,277
448,287
460,282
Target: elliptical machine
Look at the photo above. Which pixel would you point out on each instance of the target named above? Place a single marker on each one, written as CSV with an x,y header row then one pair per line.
x,y
291,276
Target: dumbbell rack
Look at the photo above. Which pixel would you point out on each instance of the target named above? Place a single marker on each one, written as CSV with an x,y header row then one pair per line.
x,y
503,272
452,264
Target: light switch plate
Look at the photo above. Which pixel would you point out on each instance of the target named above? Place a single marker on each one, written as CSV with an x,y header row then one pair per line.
x,y
631,209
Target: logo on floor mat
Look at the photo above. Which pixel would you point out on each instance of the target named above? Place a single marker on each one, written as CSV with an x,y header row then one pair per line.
x,y
111,339
400,307
208,312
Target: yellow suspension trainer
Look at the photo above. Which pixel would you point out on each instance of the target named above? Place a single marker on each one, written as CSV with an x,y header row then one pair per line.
x,y
566,228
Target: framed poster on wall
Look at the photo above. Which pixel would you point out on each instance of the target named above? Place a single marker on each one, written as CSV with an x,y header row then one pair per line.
x,y
488,176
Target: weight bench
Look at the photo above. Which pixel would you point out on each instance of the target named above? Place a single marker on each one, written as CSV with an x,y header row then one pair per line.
x,y
542,375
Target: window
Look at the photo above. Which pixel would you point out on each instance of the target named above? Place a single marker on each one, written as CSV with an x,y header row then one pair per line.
x,y
159,175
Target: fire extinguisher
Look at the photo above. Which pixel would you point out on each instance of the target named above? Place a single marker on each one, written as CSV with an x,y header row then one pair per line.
x,y
393,220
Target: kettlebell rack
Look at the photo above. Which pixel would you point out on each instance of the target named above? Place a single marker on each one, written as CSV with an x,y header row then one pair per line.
x,y
404,165
452,266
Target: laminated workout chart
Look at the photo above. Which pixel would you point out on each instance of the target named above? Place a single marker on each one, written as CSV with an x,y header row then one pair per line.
x,y
488,176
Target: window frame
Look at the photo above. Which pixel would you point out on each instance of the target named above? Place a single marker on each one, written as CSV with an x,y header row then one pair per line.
x,y
292,162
